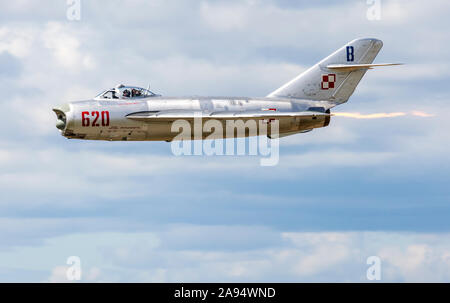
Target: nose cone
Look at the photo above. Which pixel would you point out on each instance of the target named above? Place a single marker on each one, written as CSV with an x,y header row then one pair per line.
x,y
61,117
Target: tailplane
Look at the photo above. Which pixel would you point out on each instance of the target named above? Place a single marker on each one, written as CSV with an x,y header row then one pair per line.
x,y
335,77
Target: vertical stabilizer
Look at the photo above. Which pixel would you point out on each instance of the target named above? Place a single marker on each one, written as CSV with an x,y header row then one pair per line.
x,y
323,82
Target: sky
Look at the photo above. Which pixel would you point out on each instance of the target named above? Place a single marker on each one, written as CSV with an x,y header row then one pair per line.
x,y
364,186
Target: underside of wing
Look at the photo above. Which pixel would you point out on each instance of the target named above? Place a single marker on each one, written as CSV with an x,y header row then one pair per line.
x,y
172,115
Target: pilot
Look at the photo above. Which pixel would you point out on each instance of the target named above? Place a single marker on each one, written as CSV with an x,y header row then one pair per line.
x,y
133,93
126,93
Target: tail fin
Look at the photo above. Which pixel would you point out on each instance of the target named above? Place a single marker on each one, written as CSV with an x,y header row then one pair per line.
x,y
335,77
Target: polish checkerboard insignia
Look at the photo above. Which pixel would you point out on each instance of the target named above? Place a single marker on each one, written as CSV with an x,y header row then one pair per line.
x,y
328,81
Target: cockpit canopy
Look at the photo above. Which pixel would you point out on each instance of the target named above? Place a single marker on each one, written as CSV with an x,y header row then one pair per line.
x,y
126,92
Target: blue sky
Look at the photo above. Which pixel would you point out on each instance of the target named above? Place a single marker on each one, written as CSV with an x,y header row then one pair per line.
x,y
134,212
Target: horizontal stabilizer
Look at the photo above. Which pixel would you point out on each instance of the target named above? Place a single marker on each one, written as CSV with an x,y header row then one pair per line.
x,y
352,67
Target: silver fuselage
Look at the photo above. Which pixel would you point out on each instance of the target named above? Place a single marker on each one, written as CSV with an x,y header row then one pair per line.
x,y
98,119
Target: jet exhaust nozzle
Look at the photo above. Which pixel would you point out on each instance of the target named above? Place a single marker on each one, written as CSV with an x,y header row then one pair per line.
x,y
327,118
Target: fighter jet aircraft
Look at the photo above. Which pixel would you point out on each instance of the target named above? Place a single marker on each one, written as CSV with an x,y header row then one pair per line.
x,y
301,105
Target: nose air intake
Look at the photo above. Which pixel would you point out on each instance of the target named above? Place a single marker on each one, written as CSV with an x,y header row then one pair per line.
x,y
61,119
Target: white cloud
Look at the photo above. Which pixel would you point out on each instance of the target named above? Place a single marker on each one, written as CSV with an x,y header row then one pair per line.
x,y
16,41
318,252
105,174
304,256
65,47
224,17
59,275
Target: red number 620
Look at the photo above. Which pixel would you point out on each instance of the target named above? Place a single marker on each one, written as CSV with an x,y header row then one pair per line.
x,y
85,121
